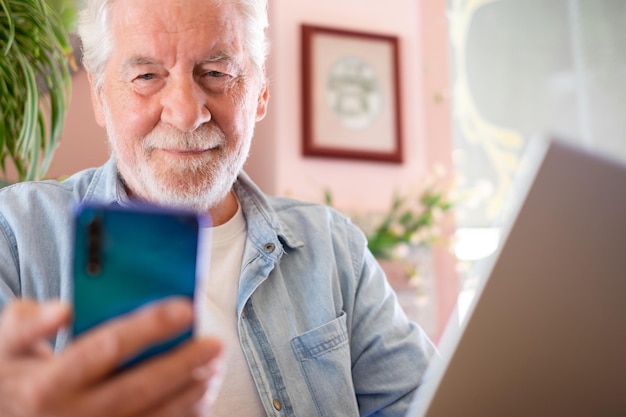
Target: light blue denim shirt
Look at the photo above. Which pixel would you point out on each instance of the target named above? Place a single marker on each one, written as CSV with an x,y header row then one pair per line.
x,y
320,327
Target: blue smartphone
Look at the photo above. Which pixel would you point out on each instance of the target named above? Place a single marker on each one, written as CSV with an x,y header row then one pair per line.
x,y
125,258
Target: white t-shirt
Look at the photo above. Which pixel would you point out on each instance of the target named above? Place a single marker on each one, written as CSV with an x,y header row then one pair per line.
x,y
222,246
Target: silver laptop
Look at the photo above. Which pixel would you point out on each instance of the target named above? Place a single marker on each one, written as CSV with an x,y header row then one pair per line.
x,y
546,333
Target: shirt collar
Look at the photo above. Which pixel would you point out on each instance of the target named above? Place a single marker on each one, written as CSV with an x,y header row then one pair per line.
x,y
263,222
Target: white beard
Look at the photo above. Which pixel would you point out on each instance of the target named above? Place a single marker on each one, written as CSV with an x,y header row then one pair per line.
x,y
198,183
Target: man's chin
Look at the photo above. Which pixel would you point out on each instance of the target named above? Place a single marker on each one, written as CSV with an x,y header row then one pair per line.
x,y
200,195
198,187
172,198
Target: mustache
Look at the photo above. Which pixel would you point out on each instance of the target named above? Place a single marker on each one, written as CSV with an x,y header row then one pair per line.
x,y
206,136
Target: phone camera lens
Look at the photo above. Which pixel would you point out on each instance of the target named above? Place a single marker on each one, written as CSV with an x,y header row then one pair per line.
x,y
94,233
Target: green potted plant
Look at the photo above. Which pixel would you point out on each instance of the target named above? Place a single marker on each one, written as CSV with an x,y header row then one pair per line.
x,y
411,220
408,228
35,83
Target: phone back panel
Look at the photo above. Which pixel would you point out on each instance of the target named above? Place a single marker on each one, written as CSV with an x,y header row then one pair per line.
x,y
126,258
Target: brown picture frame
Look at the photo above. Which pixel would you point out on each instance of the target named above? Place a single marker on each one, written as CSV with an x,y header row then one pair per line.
x,y
351,105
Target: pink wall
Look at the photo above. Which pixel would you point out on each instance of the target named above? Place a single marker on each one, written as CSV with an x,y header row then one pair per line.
x,y
438,120
83,143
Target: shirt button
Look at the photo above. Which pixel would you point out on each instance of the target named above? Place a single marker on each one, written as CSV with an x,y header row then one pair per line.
x,y
269,247
277,405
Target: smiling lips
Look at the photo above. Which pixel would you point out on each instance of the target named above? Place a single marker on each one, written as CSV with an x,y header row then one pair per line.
x,y
187,152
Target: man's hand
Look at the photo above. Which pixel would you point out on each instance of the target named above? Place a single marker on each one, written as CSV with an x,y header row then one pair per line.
x,y
80,381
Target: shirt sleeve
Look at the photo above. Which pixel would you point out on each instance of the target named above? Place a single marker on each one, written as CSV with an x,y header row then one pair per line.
x,y
390,353
9,275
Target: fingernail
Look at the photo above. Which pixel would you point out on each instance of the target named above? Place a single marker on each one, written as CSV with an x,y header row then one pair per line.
x,y
179,310
202,373
215,369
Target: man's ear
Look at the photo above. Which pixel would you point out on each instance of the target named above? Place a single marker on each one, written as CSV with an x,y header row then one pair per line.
x,y
264,96
96,102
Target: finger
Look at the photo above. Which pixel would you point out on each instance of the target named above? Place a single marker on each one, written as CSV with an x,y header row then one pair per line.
x,y
25,325
41,349
183,404
169,381
97,353
188,402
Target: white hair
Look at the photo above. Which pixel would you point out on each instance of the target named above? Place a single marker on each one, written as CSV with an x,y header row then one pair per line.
x,y
95,33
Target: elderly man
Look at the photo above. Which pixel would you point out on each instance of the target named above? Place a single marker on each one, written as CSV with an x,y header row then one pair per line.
x,y
310,325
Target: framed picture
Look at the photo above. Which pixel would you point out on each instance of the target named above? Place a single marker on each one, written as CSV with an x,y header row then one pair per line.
x,y
351,102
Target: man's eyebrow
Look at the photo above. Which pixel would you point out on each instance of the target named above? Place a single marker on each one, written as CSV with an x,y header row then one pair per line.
x,y
138,60
221,56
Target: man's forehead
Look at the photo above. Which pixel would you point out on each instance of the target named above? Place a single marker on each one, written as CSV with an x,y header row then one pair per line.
x,y
214,32
175,16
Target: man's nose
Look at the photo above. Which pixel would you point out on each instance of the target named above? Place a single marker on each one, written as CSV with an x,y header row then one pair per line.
x,y
184,105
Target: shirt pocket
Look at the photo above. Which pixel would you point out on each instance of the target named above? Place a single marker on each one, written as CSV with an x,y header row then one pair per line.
x,y
324,357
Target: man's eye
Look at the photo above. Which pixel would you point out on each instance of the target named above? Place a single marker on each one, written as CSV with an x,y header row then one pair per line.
x,y
214,74
146,77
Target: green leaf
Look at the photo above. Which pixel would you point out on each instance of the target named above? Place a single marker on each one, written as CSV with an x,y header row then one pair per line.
x,y
34,83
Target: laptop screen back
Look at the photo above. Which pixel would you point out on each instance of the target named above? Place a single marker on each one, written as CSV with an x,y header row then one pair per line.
x,y
546,334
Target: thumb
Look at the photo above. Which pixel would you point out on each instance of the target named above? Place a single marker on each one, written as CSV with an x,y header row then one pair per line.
x,y
25,324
